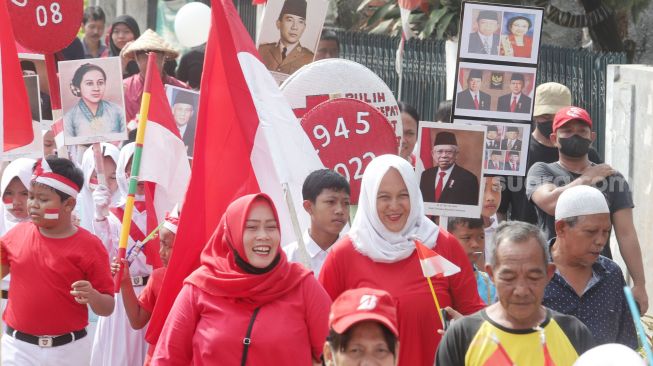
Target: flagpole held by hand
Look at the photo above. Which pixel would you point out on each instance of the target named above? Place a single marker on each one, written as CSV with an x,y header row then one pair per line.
x,y
434,264
152,71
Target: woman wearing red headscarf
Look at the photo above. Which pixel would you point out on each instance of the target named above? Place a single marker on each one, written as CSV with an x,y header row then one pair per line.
x,y
246,304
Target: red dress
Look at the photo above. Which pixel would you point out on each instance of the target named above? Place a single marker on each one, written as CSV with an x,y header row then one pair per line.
x,y
147,300
345,268
519,51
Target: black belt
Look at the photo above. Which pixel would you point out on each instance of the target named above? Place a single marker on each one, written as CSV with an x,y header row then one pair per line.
x,y
45,341
138,281
5,294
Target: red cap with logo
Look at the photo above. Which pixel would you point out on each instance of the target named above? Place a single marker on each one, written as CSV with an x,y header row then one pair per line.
x,y
569,114
357,305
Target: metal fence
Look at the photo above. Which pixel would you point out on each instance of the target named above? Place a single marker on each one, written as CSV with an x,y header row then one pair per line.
x,y
424,71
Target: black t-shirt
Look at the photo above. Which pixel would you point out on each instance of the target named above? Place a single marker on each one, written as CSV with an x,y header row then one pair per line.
x,y
615,189
514,203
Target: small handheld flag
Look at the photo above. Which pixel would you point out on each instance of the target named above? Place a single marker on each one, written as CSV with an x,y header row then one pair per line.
x,y
436,265
8,203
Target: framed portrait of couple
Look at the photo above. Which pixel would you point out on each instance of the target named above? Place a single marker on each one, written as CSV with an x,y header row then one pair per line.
x,y
496,33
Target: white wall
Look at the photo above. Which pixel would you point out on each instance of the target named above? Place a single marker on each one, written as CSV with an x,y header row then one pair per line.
x,y
629,149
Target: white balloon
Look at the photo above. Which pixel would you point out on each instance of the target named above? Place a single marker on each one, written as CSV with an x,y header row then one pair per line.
x,y
611,354
192,24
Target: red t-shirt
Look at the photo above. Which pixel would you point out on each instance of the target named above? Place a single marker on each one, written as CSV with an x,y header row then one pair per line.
x,y
42,272
345,268
147,300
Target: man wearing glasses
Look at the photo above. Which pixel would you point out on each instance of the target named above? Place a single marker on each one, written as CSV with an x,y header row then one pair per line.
x,y
448,182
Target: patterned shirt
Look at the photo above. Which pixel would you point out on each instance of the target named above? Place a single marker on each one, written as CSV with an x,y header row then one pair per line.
x,y
602,307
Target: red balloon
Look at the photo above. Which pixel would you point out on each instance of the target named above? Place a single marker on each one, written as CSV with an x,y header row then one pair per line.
x,y
347,135
45,26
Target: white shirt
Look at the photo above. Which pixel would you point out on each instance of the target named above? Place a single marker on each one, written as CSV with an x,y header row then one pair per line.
x,y
446,176
182,130
486,40
316,254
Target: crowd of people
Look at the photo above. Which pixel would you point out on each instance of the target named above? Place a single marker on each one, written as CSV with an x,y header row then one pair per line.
x,y
536,284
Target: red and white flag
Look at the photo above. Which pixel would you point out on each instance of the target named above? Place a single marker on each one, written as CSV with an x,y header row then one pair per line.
x,y
164,165
433,264
51,214
57,131
247,141
15,113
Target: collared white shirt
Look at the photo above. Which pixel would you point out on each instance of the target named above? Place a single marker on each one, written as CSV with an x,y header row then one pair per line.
x,y
486,40
513,96
316,254
474,95
182,130
446,176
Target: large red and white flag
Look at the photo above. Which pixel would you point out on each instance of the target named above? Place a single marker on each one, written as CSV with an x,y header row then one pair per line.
x,y
164,165
15,113
247,141
433,264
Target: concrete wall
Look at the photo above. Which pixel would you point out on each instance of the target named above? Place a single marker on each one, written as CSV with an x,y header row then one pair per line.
x,y
629,149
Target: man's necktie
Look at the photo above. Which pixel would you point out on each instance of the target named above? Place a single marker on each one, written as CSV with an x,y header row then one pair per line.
x,y
438,187
475,101
514,104
510,144
283,53
486,46
512,166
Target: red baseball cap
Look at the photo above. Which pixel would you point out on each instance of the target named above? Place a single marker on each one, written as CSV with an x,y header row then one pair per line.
x,y
357,305
571,113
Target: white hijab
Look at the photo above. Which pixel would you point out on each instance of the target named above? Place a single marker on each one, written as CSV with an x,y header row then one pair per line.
x,y
85,204
20,168
369,235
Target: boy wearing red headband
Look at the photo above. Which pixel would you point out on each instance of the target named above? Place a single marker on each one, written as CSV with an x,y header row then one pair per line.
x,y
139,309
60,267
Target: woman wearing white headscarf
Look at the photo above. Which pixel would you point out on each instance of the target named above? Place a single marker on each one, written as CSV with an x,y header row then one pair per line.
x,y
85,201
14,185
115,342
379,252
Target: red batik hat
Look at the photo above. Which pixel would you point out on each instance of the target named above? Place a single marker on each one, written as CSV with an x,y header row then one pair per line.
x,y
43,174
357,305
569,114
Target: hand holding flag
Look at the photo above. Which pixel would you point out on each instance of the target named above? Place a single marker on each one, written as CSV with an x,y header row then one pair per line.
x,y
436,265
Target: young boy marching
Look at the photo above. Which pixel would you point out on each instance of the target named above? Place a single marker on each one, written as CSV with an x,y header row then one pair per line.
x,y
57,269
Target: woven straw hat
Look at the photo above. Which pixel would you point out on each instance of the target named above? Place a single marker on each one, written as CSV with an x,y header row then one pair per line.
x,y
150,41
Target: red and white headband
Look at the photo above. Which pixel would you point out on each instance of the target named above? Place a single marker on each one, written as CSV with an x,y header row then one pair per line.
x,y
171,223
43,174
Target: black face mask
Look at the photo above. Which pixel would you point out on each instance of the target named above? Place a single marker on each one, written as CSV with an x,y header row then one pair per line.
x,y
574,146
545,128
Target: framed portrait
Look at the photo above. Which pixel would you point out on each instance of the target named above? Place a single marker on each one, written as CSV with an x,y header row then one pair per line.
x,y
92,100
506,146
184,104
451,181
34,64
494,91
34,149
289,33
500,33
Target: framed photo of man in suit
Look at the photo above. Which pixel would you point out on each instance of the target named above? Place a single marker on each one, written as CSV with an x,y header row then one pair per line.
x,y
506,146
184,104
289,33
450,181
500,33
494,91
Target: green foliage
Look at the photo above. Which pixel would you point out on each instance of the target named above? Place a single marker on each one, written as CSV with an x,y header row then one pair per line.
x,y
441,18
